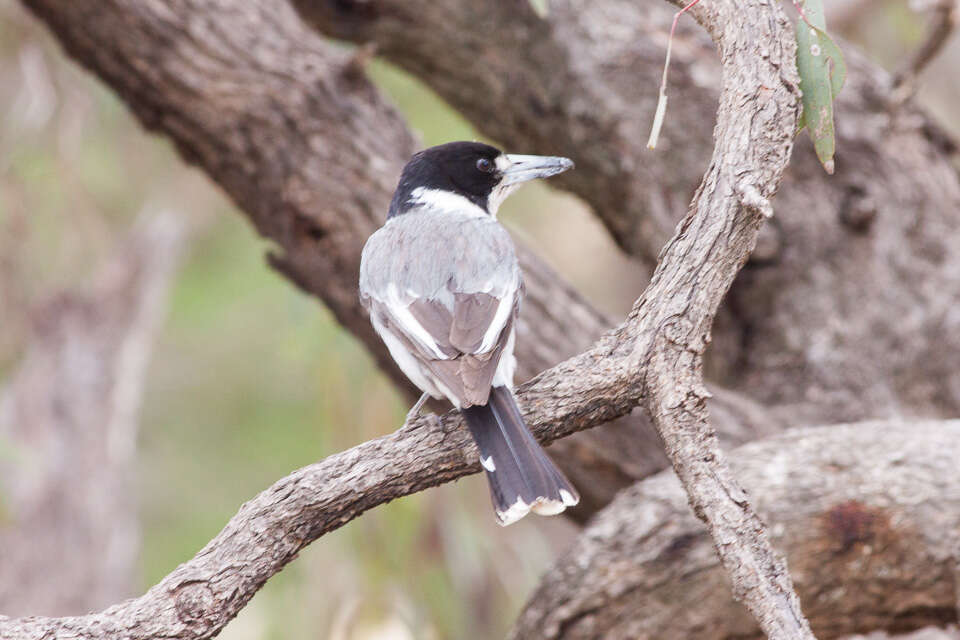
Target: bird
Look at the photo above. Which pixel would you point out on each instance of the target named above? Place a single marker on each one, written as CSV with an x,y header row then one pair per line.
x,y
442,286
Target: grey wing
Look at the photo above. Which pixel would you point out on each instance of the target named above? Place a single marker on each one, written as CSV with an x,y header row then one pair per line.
x,y
457,350
448,323
480,330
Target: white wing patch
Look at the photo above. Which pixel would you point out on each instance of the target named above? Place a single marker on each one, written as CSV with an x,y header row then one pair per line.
x,y
400,312
503,377
504,308
409,364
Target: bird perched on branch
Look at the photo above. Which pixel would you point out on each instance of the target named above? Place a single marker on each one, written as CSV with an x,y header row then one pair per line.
x,y
443,288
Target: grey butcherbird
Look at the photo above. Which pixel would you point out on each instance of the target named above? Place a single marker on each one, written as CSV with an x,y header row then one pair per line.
x,y
442,285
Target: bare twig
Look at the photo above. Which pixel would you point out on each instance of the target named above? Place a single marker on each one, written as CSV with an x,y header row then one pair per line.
x,y
943,22
662,100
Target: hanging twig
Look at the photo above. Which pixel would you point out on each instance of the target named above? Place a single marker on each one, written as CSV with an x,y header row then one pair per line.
x,y
662,102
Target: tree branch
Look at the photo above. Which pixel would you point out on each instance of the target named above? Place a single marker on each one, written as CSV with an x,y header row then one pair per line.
x,y
298,137
868,514
581,82
654,356
943,22
755,127
202,595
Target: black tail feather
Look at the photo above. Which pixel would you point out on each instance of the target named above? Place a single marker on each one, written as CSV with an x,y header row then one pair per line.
x,y
522,478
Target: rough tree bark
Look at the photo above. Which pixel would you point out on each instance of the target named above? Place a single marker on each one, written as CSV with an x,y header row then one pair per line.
x,y
841,313
297,136
654,357
868,514
261,129
834,319
69,535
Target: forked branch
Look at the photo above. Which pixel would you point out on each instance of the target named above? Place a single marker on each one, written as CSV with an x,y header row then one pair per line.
x,y
653,357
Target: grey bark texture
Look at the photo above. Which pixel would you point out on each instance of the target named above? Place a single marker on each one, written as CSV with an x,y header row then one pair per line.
x,y
69,534
289,126
841,313
198,598
868,515
654,357
927,633
293,131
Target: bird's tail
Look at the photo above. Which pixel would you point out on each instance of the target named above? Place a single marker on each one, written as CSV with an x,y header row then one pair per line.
x,y
522,478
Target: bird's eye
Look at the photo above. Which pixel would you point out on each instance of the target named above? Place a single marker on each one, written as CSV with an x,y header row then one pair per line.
x,y
485,165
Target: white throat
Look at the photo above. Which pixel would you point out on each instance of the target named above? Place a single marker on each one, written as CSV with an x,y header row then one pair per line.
x,y
498,195
445,201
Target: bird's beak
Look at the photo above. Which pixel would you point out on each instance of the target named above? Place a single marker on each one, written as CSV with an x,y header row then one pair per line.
x,y
520,168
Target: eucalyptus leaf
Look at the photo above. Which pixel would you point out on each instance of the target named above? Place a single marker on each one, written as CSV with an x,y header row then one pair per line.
x,y
822,73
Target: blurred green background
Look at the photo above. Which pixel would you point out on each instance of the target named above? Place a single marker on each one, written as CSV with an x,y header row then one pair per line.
x,y
250,379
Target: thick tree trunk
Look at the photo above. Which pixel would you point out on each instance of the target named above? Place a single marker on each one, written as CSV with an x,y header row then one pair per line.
x,y
868,515
841,313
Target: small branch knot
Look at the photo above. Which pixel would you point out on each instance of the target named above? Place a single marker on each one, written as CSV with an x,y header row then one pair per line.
x,y
859,210
676,330
194,603
751,198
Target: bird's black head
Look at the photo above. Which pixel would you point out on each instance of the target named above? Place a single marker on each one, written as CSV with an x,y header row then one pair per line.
x,y
468,176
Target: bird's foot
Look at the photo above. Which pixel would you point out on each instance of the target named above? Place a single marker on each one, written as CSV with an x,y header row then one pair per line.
x,y
415,410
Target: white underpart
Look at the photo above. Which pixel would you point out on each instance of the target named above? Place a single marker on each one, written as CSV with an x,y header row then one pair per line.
x,y
498,195
488,463
503,376
448,201
401,313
